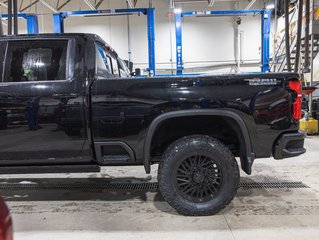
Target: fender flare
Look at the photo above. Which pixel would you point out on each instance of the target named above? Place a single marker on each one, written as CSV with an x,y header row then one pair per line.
x,y
246,159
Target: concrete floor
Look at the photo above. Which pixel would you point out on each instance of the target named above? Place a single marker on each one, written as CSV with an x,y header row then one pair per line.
x,y
86,214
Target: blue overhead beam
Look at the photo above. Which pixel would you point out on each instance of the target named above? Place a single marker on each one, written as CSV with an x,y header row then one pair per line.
x,y
265,33
32,22
105,12
220,12
58,23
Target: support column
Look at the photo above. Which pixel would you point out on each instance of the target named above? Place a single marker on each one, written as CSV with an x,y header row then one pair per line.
x,y
32,24
151,41
58,23
179,47
265,40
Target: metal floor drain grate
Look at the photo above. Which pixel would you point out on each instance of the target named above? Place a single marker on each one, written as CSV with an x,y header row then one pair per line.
x,y
153,186
272,185
74,186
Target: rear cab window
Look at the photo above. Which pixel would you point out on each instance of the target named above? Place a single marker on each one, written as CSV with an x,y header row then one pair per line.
x,y
124,71
35,60
107,63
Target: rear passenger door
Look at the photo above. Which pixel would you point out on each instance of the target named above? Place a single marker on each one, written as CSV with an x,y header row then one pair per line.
x,y
37,93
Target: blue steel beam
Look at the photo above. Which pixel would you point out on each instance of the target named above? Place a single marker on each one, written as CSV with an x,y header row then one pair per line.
x,y
221,12
32,22
58,23
106,12
58,18
151,41
265,32
179,42
265,40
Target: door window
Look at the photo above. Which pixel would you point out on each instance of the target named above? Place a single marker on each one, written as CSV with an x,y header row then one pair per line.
x,y
36,61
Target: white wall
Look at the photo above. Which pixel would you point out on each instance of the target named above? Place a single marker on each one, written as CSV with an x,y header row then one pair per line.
x,y
207,41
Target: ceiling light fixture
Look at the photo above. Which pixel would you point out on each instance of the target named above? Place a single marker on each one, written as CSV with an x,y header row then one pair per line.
x,y
177,10
270,6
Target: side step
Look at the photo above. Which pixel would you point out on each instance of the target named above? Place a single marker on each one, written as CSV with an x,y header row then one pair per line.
x,y
113,152
50,169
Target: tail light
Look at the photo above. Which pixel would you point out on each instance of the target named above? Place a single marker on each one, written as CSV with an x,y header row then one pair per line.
x,y
296,86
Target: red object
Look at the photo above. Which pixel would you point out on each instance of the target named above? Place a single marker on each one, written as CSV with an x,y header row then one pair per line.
x,y
6,232
296,86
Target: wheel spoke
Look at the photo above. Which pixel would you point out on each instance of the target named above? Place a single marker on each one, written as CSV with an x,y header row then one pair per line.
x,y
190,190
213,180
183,180
183,171
183,175
188,165
183,184
211,188
183,167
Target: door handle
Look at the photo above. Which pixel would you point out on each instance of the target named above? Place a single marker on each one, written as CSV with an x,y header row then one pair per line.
x,y
7,95
65,95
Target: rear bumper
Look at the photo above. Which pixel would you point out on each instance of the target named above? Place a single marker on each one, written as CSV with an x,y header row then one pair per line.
x,y
289,145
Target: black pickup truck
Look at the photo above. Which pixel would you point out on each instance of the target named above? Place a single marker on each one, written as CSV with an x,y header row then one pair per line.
x,y
68,104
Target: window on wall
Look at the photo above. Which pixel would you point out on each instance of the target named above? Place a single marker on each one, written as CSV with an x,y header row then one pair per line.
x,y
36,60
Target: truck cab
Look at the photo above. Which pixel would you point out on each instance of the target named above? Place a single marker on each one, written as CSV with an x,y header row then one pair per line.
x,y
43,94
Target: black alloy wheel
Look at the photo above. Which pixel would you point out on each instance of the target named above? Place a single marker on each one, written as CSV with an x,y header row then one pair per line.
x,y
198,178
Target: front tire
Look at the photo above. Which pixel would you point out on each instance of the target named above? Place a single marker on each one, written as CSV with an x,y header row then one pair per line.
x,y
198,175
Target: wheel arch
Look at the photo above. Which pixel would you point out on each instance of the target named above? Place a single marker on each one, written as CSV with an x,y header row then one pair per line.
x,y
246,156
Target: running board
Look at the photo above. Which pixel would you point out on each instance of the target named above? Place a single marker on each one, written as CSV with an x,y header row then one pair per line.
x,y
113,152
50,169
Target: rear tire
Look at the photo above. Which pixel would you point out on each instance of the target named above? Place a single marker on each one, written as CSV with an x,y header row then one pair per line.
x,y
198,175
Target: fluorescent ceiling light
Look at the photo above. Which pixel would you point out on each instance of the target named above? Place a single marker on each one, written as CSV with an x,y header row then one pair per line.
x,y
177,10
270,6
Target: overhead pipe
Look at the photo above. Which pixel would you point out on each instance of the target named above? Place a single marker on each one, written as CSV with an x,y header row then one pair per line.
x,y
307,6
9,17
15,17
298,43
288,61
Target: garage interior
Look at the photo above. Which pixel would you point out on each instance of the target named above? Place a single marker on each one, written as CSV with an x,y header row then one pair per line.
x,y
279,200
